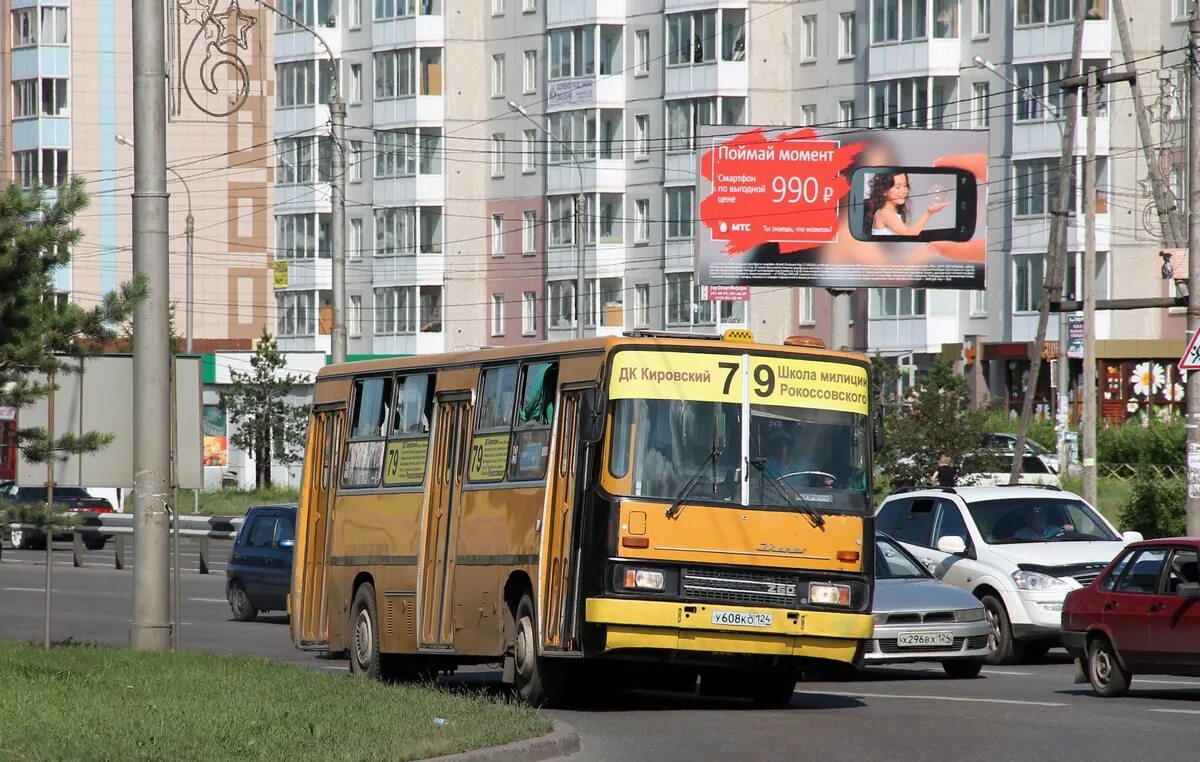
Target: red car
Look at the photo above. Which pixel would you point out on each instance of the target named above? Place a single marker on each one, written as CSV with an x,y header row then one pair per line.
x,y
1140,616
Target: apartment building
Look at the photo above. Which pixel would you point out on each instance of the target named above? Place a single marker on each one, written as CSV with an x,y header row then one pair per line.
x,y
67,71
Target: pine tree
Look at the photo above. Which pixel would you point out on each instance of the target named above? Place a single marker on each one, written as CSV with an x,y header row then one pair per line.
x,y
268,425
41,336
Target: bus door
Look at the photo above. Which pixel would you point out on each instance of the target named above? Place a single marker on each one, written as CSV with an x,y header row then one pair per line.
x,y
435,568
316,522
558,571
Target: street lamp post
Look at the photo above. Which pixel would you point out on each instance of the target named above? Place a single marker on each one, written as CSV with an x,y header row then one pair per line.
x,y
580,207
190,231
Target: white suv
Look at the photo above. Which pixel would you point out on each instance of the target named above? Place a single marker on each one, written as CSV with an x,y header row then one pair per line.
x,y
1019,550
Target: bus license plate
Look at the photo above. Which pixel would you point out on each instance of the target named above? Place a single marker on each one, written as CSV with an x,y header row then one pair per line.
x,y
743,618
910,639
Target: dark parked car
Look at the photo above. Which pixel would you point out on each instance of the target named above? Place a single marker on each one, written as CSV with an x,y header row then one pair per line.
x,y
1140,616
75,500
259,574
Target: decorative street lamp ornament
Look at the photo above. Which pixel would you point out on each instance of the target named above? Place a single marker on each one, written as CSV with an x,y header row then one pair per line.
x,y
219,39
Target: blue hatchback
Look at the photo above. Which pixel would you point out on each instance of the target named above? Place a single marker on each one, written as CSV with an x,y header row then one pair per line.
x,y
259,574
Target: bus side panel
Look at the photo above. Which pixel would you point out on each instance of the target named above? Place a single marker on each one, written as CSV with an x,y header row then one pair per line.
x,y
497,537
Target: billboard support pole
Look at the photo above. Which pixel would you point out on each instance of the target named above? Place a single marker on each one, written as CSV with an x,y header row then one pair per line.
x,y
840,338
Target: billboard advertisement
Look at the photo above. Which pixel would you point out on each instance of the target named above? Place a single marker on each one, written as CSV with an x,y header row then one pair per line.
x,y
842,208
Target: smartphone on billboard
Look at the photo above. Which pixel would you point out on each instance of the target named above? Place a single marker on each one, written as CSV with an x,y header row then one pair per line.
x,y
912,204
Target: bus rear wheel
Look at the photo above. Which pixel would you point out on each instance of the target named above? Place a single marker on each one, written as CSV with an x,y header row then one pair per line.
x,y
365,660
538,682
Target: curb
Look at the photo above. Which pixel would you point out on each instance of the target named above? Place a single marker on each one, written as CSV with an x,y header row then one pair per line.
x,y
561,741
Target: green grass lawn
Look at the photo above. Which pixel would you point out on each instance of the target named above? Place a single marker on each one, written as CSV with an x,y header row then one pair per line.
x,y
97,703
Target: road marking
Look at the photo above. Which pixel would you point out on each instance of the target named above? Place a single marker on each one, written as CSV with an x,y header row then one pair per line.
x,y
964,699
26,590
1181,683
1175,711
209,600
1008,672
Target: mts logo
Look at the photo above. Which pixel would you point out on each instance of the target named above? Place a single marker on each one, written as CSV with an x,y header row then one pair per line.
x,y
740,227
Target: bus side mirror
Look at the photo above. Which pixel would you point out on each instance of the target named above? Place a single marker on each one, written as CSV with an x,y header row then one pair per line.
x,y
592,405
877,439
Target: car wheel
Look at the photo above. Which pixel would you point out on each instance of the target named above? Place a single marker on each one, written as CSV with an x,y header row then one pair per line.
x,y
239,602
962,669
1005,648
1107,676
774,691
365,660
1038,649
94,543
538,682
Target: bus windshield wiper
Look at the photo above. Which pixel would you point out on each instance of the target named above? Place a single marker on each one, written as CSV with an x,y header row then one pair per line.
x,y
686,492
799,503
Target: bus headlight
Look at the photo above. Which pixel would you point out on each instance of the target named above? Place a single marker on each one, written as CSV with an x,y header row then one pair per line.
x,y
825,594
644,579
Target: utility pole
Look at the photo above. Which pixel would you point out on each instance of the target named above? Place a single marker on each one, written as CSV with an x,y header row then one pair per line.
x,y
1088,448
337,119
190,229
1057,250
50,384
151,627
1193,308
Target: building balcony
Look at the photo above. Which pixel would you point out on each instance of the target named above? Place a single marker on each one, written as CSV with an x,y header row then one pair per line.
x,y
1044,137
314,274
599,175
920,334
419,190
574,12
1033,233
415,111
716,78
919,58
423,30
303,197
1051,41
41,132
299,44
298,120
428,266
404,344
41,61
321,342
604,91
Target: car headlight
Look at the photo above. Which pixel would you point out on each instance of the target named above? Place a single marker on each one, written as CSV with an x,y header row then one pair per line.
x,y
1031,580
969,615
644,579
825,594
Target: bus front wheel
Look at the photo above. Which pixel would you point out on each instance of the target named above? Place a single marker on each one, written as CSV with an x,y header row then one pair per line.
x,y
364,634
537,682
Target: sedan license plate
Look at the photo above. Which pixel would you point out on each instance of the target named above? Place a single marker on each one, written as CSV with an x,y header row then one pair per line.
x,y
743,618
918,639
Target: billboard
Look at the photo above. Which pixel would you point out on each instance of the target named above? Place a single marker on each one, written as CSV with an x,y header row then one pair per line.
x,y
842,208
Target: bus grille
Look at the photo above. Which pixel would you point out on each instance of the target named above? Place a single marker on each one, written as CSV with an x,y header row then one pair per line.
x,y
711,584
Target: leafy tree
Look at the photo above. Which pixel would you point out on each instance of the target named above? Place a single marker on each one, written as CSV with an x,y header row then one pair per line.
x,y
268,425
41,336
936,418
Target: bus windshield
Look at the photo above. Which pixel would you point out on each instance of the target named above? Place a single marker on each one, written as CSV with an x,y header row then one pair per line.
x,y
794,454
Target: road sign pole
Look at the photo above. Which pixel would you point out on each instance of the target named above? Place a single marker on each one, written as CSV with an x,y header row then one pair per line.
x,y
1193,308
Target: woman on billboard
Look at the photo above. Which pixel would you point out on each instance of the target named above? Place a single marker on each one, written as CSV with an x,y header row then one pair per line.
x,y
887,207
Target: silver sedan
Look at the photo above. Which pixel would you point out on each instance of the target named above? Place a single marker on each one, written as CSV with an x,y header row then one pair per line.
x,y
918,618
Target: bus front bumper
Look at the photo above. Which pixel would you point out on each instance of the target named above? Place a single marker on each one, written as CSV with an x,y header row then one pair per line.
x,y
671,625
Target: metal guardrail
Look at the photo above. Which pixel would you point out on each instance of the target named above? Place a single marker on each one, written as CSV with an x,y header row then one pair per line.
x,y
120,527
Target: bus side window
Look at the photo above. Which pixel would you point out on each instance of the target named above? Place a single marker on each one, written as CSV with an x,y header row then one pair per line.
x,y
535,412
493,424
368,427
408,446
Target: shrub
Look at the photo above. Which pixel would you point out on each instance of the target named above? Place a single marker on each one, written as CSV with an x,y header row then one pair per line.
x,y
1162,443
1155,507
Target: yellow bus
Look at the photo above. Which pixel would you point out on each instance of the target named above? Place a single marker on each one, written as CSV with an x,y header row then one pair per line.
x,y
682,510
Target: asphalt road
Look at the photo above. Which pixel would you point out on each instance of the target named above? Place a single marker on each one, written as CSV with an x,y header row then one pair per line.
x,y
913,713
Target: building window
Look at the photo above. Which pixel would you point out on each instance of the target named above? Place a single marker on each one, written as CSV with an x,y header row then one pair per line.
x,y
808,115
355,14
497,75
1180,9
983,18
295,84
804,306
978,303
847,45
641,305
25,168
574,130
980,104
808,39
528,6
1034,12
530,73
1027,282
641,220
497,7
528,313
529,151
641,136
303,160
692,38
396,73
498,155
403,153
354,160
396,232
911,102
641,52
497,314
295,313
572,52
561,303
303,236
679,212
355,83
561,217
899,20
945,19
25,98
684,118
679,298
55,166
54,26
528,233
389,9
1035,186
897,302
354,316
1037,84
355,247
394,310
24,27
497,235
846,114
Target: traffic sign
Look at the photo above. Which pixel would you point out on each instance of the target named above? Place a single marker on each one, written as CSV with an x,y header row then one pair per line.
x,y
1191,355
